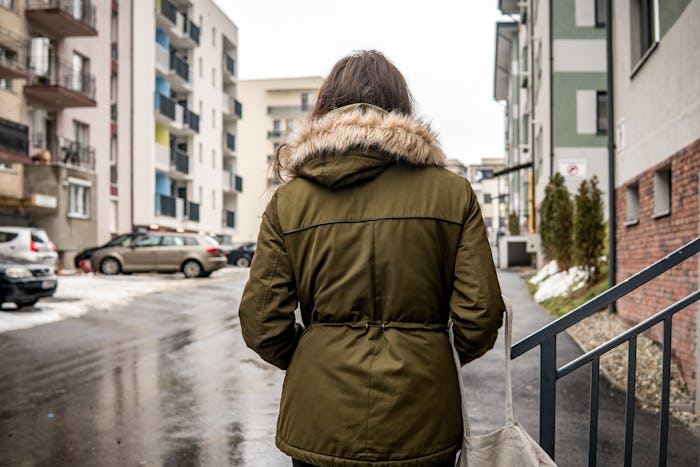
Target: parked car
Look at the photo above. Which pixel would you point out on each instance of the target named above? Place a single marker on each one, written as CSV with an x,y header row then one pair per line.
x,y
28,243
192,254
24,282
121,240
242,255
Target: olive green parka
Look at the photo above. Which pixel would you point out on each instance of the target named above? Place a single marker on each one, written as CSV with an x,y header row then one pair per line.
x,y
379,246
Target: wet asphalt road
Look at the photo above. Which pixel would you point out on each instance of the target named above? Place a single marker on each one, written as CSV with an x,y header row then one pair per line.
x,y
167,381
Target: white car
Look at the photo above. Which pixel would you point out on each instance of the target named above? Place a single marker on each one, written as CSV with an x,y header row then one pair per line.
x,y
28,243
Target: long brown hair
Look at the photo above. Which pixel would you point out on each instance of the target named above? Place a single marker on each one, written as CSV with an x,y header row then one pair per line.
x,y
364,76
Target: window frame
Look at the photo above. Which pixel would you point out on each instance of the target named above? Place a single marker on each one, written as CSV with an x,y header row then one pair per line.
x,y
632,209
604,107
79,192
600,13
663,192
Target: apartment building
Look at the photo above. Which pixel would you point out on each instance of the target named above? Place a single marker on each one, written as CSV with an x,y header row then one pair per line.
x,y
54,114
656,102
492,193
273,108
550,70
184,63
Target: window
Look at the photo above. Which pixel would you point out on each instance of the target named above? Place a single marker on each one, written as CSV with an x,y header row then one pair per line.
x,y
213,118
644,30
213,158
9,4
190,241
80,72
213,199
213,37
602,112
201,155
213,76
304,101
82,141
173,240
289,124
662,192
6,84
487,198
7,236
201,68
632,197
276,125
600,13
78,198
148,240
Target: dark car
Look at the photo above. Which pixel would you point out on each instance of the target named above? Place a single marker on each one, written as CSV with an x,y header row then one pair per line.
x,y
24,282
121,240
242,255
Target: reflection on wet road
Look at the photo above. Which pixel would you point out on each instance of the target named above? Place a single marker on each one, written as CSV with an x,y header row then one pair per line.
x,y
166,380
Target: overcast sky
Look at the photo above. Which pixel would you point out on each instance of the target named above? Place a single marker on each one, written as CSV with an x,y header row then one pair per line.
x,y
444,48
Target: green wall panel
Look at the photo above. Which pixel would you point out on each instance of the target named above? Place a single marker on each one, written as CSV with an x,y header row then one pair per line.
x,y
564,89
564,23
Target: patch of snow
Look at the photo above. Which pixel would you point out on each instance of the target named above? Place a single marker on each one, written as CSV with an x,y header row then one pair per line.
x,y
547,270
76,295
560,284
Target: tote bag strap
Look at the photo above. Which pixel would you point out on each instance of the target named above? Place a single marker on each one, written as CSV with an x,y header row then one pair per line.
x,y
510,412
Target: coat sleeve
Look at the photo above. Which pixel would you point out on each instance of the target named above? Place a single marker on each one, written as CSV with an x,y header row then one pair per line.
x,y
476,305
269,299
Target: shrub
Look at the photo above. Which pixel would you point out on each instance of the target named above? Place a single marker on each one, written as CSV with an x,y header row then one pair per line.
x,y
556,222
513,224
589,228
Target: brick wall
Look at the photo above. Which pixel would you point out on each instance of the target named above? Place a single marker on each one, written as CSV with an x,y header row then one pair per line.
x,y
649,240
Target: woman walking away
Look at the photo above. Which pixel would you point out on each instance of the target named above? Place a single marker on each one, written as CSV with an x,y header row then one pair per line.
x,y
379,245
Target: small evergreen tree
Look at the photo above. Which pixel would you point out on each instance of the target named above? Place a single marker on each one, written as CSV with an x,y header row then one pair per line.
x,y
589,228
513,224
556,222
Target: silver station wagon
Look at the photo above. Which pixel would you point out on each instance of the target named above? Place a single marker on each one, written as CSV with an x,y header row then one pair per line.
x,y
192,254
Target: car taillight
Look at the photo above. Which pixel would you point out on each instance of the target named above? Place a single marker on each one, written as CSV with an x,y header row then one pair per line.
x,y
52,245
213,251
32,246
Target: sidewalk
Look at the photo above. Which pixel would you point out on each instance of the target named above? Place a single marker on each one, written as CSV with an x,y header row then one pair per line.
x,y
484,381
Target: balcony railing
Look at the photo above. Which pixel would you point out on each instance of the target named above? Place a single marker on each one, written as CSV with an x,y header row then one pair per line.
x,y
231,142
193,211
192,30
230,65
113,112
180,66
180,160
14,137
58,83
166,205
176,112
230,219
13,59
289,110
65,151
63,18
239,184
168,10
277,134
114,48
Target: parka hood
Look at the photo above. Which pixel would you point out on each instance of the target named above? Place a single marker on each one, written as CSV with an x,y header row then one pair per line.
x,y
356,143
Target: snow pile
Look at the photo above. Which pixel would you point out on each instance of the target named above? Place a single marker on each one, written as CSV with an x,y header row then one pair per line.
x,y
553,284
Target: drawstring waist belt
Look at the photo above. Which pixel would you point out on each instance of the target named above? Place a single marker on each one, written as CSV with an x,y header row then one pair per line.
x,y
366,325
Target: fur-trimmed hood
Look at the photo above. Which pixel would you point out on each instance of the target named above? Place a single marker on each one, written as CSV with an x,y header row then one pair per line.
x,y
318,147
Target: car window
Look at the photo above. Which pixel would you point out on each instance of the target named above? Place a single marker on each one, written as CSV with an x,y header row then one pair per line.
x,y
209,240
173,240
7,236
149,240
190,241
39,236
122,240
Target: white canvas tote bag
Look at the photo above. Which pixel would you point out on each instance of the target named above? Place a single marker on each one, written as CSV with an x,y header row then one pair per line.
x,y
510,445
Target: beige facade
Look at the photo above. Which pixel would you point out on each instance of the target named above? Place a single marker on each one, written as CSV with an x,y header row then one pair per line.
x,y
492,193
273,106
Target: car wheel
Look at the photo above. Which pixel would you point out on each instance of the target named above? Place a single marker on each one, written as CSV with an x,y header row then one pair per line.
x,y
24,303
243,262
110,267
192,269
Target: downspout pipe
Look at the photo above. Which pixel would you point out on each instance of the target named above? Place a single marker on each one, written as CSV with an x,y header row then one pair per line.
x,y
612,245
551,94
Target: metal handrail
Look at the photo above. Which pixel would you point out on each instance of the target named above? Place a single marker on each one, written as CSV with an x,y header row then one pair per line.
x,y
549,374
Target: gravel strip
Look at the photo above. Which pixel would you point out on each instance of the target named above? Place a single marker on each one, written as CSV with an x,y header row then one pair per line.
x,y
603,326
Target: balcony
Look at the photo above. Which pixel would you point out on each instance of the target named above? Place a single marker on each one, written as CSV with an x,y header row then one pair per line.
x,y
230,219
193,211
13,56
63,151
239,184
56,85
229,67
173,67
232,109
180,70
62,18
185,34
179,119
229,144
113,113
167,205
173,162
114,51
277,134
288,110
14,139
